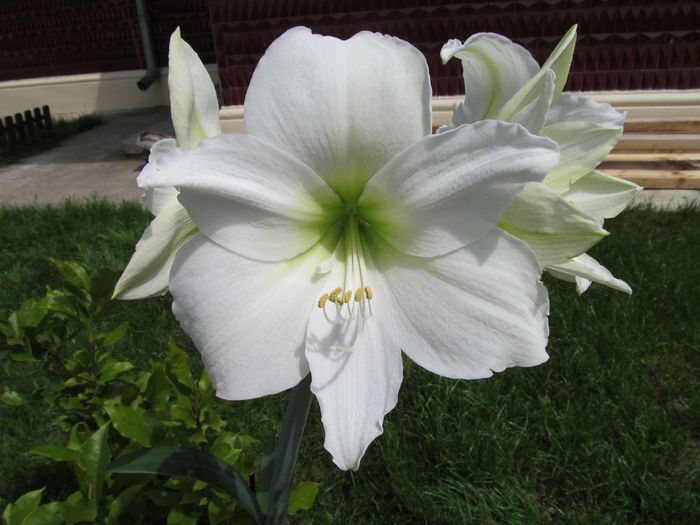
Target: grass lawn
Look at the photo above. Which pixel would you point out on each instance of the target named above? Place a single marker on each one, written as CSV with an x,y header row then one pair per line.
x,y
607,431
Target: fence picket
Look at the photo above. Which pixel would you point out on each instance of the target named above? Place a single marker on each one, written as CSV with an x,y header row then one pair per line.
x,y
25,127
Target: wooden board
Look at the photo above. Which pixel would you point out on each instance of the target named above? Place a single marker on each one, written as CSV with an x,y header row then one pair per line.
x,y
658,179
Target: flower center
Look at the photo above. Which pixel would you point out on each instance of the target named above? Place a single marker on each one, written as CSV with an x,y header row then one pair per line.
x,y
348,306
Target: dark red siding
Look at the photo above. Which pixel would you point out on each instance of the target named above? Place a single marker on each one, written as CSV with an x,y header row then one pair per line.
x,y
622,45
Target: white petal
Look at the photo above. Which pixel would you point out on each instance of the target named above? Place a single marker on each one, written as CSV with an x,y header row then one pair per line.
x,y
573,108
148,271
530,110
194,107
155,199
559,61
586,267
494,70
554,230
601,195
247,318
472,312
249,196
342,107
583,146
357,388
449,190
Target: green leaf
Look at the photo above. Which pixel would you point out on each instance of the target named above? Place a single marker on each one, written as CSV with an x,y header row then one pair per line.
x,y
93,460
264,475
55,452
303,496
76,509
193,464
12,397
123,502
178,367
74,274
17,512
158,387
114,336
112,369
131,423
182,516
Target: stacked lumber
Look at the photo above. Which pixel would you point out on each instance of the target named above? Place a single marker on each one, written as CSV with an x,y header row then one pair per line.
x,y
660,153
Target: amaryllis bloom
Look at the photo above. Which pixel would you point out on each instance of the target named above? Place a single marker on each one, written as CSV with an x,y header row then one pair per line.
x,y
338,233
194,110
562,217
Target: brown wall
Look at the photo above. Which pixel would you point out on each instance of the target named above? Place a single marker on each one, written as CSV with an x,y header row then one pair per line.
x,y
626,44
622,45
64,37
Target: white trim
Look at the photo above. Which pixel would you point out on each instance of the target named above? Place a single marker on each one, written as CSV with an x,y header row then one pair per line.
x,y
661,105
71,95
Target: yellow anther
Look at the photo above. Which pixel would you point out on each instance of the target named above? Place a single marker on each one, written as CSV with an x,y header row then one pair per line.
x,y
339,301
358,295
368,292
323,300
348,296
335,293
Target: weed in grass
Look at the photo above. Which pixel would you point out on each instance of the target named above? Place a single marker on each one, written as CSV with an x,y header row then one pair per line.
x,y
607,431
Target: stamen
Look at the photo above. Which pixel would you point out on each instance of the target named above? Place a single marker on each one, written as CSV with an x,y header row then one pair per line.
x,y
348,315
323,300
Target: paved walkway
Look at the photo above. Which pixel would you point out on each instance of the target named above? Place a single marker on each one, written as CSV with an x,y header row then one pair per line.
x,y
93,163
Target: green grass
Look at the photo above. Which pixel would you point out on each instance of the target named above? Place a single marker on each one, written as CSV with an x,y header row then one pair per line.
x,y
607,431
61,130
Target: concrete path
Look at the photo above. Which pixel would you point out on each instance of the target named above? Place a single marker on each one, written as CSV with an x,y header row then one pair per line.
x,y
93,163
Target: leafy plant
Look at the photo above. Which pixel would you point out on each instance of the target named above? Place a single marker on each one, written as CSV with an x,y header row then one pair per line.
x,y
110,408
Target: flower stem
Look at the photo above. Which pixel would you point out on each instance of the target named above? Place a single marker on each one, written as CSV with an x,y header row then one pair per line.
x,y
288,451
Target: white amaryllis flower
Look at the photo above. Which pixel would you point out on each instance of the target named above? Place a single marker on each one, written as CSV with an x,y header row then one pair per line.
x,y
338,233
562,217
194,110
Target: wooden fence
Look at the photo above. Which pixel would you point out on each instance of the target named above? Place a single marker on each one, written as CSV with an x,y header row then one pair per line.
x,y
24,127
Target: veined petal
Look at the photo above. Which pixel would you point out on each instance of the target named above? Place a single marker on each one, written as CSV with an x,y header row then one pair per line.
x,y
583,146
587,268
469,313
343,107
494,70
249,196
554,230
601,195
358,387
247,318
194,107
148,271
449,190
573,108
